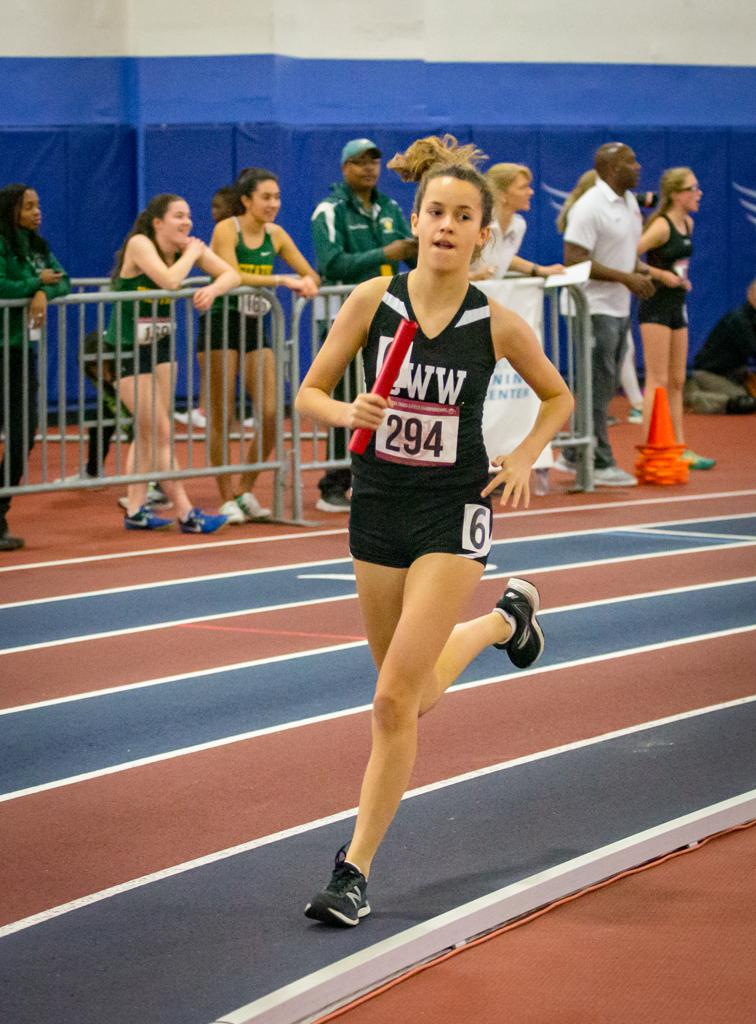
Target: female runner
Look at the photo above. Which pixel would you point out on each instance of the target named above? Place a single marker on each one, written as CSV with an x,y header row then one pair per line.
x,y
420,523
667,241
250,242
158,253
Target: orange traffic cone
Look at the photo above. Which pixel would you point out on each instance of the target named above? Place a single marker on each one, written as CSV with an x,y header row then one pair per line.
x,y
659,461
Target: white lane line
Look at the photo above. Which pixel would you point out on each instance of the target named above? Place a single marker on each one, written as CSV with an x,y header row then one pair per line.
x,y
528,570
303,534
276,837
184,549
653,527
704,535
335,648
179,581
180,676
346,712
340,577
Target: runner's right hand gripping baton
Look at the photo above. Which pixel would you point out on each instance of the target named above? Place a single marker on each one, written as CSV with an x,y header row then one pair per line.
x,y
386,378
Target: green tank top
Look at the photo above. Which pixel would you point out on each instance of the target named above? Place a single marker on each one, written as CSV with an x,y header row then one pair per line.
x,y
142,321
259,260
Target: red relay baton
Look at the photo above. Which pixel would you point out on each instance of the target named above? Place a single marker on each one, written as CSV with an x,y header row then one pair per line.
x,y
386,378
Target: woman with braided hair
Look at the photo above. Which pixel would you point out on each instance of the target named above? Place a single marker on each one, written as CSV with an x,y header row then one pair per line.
x,y
420,522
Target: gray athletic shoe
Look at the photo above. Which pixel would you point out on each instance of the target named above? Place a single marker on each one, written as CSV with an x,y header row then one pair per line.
x,y
613,476
344,899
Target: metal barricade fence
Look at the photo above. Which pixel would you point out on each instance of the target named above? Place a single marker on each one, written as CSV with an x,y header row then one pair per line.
x,y
75,424
567,340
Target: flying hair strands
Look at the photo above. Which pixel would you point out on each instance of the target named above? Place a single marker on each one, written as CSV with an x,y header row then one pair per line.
x,y
432,153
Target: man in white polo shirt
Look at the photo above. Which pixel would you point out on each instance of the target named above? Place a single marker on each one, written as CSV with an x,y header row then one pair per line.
x,y
604,226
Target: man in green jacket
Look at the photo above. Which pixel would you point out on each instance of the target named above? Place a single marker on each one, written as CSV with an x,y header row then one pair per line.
x,y
358,233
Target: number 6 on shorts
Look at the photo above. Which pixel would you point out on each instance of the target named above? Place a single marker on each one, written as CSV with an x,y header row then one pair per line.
x,y
476,530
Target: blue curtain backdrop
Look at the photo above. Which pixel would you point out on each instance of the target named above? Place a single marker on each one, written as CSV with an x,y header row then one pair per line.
x,y
87,177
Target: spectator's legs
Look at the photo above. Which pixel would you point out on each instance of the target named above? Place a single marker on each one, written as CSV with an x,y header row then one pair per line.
x,y
152,435
629,374
665,352
338,481
95,456
609,333
707,392
14,456
265,408
221,411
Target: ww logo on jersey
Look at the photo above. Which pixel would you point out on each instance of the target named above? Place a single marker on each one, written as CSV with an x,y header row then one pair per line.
x,y
415,378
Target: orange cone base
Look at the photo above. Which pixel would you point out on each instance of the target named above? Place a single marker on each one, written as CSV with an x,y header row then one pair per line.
x,y
661,465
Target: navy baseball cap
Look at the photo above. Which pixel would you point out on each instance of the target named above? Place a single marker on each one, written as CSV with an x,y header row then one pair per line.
x,y
356,147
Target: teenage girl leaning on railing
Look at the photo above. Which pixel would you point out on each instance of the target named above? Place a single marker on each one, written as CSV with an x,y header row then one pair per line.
x,y
158,253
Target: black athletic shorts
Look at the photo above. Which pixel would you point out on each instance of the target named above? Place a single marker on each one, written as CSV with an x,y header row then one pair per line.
x,y
397,528
234,329
145,359
665,307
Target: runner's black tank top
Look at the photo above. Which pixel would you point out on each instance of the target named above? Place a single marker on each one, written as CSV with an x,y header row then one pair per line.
x,y
432,437
675,252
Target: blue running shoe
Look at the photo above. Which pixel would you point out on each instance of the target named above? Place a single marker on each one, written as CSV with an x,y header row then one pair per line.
x,y
145,519
200,522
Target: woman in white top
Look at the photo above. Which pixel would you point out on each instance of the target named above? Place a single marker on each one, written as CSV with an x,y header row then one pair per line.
x,y
512,191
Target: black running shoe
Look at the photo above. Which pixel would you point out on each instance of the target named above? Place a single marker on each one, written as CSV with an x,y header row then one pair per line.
x,y
520,600
344,899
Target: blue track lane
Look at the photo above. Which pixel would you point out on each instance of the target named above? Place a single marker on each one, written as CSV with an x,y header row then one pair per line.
x,y
68,617
193,947
45,744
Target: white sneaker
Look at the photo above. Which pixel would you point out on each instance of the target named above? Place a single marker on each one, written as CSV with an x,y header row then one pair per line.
x,y
157,498
613,476
564,466
233,513
197,418
251,508
333,501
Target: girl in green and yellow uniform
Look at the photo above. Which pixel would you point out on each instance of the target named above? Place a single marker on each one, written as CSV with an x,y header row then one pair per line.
x,y
250,241
158,253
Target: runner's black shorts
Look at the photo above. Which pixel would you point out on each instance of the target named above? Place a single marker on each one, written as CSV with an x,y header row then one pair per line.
x,y
235,323
145,359
397,528
666,307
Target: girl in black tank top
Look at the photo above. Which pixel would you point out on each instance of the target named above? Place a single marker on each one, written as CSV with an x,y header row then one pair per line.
x,y
420,524
673,256
663,318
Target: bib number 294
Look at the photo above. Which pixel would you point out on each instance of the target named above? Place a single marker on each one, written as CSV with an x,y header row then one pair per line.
x,y
418,434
